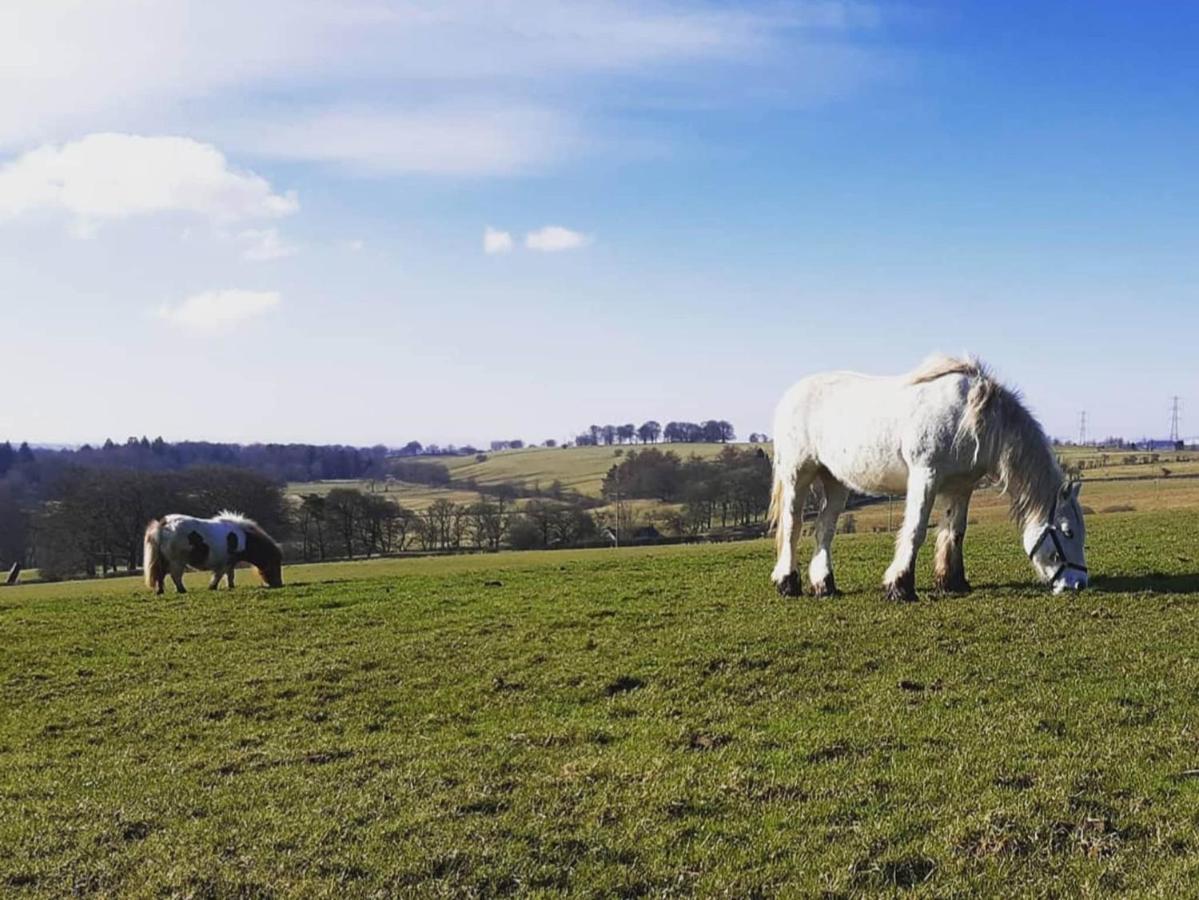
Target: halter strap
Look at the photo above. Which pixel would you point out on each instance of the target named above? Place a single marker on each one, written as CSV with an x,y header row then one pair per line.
x,y
1051,531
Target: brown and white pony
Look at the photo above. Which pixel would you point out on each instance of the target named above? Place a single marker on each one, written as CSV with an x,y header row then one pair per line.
x,y
175,542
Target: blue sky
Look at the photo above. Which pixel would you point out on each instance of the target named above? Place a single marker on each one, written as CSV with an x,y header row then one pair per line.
x,y
267,221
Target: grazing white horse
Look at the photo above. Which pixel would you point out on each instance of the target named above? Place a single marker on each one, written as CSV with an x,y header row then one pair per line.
x,y
218,544
937,431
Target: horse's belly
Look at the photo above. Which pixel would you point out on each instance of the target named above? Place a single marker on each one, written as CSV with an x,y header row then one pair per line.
x,y
889,481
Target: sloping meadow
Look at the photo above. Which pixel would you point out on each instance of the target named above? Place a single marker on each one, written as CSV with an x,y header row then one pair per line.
x,y
634,722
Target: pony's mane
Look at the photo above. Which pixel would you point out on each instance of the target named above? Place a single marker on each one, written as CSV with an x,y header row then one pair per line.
x,y
1009,441
230,515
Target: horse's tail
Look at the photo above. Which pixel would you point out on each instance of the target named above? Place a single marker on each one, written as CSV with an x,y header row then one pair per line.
x,y
152,562
775,515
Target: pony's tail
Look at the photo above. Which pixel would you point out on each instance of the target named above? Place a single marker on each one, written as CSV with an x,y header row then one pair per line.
x,y
152,564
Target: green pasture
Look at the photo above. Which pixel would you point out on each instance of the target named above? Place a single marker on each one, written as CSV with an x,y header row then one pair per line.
x,y
641,722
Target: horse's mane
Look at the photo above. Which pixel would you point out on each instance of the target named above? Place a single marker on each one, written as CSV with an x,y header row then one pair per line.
x,y
939,365
1009,442
247,524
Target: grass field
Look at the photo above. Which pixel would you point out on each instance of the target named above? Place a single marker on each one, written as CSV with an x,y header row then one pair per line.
x,y
1116,484
580,469
637,722
417,497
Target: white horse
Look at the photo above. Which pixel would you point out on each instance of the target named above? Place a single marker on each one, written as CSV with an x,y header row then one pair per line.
x,y
218,544
937,431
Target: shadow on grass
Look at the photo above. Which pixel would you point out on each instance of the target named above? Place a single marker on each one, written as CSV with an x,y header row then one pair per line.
x,y
1156,582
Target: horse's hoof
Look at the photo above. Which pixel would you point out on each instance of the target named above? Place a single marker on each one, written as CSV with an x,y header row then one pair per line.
x,y
952,586
789,586
825,588
900,593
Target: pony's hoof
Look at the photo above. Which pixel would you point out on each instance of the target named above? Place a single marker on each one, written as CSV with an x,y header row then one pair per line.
x,y
900,593
825,588
789,586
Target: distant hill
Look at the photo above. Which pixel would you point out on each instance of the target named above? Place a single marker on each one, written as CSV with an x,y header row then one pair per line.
x,y
579,469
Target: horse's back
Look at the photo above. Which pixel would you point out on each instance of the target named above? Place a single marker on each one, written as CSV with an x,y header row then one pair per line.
x,y
866,430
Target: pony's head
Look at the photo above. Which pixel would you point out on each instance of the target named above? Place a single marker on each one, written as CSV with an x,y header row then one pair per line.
x,y
1057,545
264,555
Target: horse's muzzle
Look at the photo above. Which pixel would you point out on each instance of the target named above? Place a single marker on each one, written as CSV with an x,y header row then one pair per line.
x,y
1070,581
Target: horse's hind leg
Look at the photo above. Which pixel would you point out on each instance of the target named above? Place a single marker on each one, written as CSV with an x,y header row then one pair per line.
x,y
794,485
820,572
215,581
229,576
949,568
177,577
900,581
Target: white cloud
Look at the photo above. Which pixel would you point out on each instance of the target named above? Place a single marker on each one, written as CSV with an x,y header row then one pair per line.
x,y
553,238
496,241
213,312
354,245
115,176
264,245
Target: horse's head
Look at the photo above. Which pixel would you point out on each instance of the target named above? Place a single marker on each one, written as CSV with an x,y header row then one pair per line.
x,y
264,555
1057,546
271,572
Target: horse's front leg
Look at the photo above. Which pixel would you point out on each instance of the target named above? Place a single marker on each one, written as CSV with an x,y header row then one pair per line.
x,y
215,581
949,568
900,581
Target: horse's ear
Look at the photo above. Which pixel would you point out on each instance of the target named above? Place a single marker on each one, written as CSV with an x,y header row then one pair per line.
x,y
1071,489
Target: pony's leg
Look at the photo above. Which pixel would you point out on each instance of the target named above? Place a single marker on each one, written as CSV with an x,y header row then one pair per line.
x,y
784,576
229,576
177,577
820,572
215,581
900,581
949,569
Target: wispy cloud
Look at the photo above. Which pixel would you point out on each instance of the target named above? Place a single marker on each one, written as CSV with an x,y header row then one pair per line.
x,y
264,245
452,88
214,312
116,176
494,138
495,241
555,238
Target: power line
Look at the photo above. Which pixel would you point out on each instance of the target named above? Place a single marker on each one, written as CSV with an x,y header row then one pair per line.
x,y
1082,427
1175,417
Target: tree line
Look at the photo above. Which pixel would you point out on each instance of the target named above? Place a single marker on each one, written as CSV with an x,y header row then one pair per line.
x,y
712,431
732,488
85,512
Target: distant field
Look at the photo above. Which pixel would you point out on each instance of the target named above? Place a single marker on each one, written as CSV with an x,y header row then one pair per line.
x,y
583,469
1111,463
633,722
414,496
579,468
